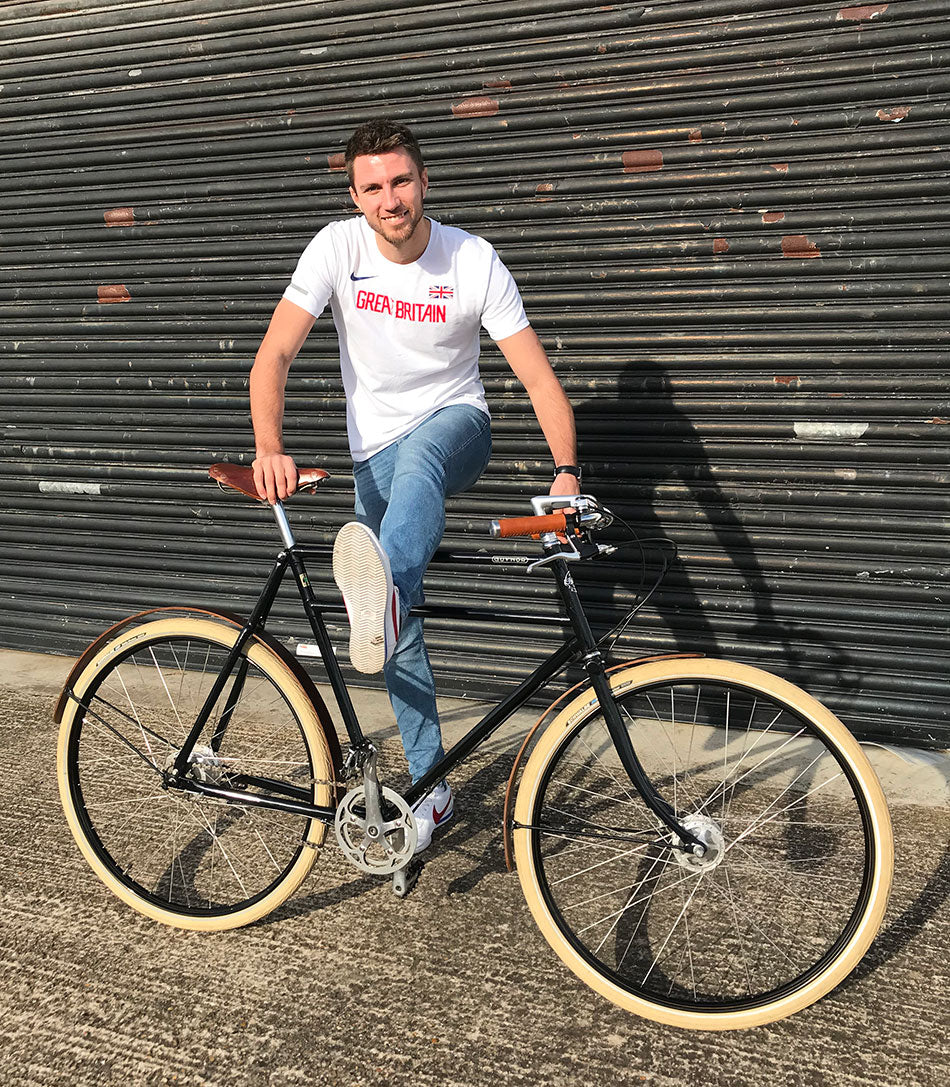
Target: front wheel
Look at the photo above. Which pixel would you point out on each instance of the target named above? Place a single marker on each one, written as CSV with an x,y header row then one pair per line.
x,y
180,857
794,880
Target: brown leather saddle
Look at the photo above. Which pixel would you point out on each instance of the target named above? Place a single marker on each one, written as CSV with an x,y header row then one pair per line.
x,y
239,478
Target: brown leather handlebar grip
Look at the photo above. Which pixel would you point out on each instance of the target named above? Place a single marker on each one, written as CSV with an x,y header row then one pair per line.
x,y
529,526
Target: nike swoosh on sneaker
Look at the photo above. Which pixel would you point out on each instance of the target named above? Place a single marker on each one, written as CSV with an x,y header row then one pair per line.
x,y
357,278
438,816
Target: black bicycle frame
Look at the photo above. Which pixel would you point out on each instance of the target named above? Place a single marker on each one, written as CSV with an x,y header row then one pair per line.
x,y
581,645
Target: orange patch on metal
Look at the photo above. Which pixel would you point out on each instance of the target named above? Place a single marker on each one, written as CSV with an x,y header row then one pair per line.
x,y
798,245
496,85
862,13
897,113
120,217
772,216
780,167
480,106
637,162
113,292
695,135
337,161
937,419
787,379
545,186
720,245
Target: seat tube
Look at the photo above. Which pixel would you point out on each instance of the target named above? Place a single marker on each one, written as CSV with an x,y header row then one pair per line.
x,y
593,662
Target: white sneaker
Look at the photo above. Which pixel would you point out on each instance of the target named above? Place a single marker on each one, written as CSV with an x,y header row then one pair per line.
x,y
361,570
432,813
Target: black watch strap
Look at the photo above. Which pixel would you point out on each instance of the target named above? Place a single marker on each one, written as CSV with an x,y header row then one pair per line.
x,y
568,470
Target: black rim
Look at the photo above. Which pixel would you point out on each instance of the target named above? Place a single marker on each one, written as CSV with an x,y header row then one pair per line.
x,y
713,1004
88,827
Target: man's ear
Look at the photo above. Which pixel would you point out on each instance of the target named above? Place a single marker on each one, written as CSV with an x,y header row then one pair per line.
x,y
353,197
425,180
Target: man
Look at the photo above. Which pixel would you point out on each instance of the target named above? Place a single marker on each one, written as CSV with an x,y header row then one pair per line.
x,y
408,297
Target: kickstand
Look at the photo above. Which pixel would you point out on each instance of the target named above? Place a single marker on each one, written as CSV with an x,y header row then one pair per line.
x,y
406,878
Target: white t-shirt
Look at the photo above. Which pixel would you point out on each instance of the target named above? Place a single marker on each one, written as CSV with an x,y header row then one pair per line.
x,y
408,332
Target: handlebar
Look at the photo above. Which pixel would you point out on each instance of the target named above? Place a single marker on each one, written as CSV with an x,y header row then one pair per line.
x,y
528,526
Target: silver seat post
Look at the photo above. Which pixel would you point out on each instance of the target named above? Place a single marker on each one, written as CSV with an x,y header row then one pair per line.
x,y
283,524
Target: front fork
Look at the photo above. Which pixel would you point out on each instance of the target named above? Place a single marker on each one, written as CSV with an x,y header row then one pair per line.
x,y
593,662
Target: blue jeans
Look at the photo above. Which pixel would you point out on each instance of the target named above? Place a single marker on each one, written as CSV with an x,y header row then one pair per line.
x,y
400,494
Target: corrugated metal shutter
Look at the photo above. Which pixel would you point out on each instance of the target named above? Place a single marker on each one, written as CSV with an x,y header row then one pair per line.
x,y
729,221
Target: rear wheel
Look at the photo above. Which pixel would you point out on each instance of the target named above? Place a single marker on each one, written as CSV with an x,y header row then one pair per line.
x,y
794,881
179,857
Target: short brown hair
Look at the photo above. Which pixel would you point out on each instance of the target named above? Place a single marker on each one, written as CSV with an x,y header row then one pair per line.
x,y
378,137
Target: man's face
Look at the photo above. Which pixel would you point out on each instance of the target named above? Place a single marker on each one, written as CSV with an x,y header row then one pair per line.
x,y
389,189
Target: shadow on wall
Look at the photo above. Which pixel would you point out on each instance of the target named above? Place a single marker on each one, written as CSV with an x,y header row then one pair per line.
x,y
647,459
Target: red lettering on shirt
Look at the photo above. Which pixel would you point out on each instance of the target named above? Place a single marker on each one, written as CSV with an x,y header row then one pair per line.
x,y
403,311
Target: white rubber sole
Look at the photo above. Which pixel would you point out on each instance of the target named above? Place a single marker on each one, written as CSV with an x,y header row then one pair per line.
x,y
361,571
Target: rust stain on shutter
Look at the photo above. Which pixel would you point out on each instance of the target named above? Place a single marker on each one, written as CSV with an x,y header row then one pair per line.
x,y
637,162
896,113
336,161
120,217
798,245
113,292
480,106
720,245
772,216
861,13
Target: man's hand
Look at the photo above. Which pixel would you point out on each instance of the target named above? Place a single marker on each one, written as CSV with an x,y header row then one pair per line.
x,y
565,483
275,476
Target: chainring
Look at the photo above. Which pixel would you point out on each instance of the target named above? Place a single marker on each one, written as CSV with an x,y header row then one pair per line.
x,y
378,854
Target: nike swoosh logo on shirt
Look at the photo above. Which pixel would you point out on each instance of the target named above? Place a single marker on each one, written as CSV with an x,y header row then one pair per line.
x,y
357,278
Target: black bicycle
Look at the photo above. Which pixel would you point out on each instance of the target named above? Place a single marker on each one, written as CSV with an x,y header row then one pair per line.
x,y
701,842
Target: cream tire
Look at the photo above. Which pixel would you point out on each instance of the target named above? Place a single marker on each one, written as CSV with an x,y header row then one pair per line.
x,y
753,687
285,691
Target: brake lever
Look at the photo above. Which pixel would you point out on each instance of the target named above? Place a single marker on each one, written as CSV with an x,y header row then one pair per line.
x,y
568,551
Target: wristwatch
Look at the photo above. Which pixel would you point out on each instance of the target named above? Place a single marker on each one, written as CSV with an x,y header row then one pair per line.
x,y
568,470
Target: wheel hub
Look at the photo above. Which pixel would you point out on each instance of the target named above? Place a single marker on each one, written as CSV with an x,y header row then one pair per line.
x,y
708,831
204,764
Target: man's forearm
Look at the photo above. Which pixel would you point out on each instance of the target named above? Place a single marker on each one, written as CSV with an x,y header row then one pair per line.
x,y
268,377
556,419
529,361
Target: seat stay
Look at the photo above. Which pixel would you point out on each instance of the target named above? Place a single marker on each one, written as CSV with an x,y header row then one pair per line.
x,y
314,612
256,622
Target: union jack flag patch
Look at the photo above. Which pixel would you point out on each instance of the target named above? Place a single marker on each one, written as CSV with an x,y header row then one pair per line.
x,y
441,292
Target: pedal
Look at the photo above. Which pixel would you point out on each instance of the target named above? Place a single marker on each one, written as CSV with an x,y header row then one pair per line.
x,y
406,878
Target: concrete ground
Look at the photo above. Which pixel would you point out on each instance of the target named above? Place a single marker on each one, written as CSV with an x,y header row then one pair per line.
x,y
347,985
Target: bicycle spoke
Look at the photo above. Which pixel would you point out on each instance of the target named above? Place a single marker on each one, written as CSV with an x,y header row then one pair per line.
x,y
785,866
188,852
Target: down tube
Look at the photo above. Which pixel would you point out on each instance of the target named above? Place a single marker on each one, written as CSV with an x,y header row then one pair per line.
x,y
495,717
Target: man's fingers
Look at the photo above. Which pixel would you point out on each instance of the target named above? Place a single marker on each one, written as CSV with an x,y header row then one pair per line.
x,y
275,477
290,477
259,485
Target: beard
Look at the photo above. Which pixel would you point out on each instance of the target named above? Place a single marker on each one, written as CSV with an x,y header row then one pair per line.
x,y
401,233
